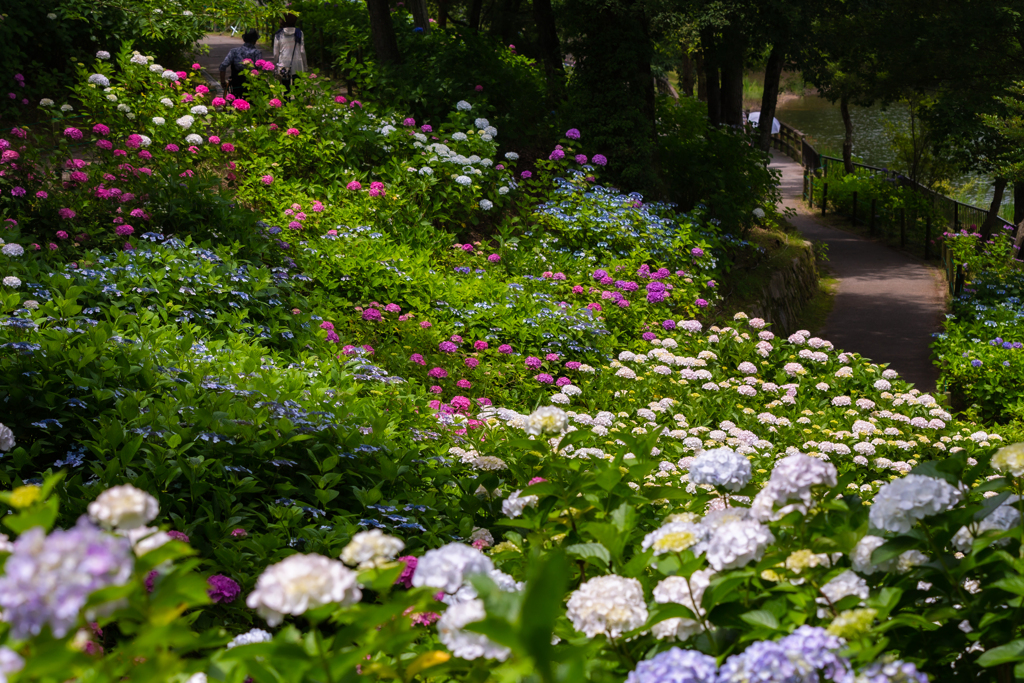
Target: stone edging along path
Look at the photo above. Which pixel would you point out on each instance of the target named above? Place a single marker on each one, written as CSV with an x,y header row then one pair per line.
x,y
887,304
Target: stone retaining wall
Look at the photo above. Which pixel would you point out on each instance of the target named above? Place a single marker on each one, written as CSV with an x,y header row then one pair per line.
x,y
791,285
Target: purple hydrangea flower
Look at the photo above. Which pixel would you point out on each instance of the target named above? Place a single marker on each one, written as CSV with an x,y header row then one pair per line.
x,y
47,579
572,134
556,155
545,378
669,324
675,666
223,588
447,347
599,160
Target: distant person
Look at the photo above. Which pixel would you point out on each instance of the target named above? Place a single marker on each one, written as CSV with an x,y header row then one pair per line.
x,y
289,51
235,58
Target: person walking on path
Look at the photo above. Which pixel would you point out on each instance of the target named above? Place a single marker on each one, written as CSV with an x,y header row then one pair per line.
x,y
235,59
289,50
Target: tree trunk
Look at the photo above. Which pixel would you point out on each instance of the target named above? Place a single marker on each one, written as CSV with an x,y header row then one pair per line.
x,y
1018,202
686,78
992,219
731,61
550,50
382,32
420,16
507,21
442,13
643,80
476,8
712,85
702,82
770,99
844,109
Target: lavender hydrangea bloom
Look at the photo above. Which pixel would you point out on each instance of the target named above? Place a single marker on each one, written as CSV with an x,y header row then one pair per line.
x,y
808,655
890,672
721,467
675,666
763,661
47,579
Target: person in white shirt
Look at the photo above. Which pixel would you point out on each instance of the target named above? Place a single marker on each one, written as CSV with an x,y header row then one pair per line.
x,y
289,49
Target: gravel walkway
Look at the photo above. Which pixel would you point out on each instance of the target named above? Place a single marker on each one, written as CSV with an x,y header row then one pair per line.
x,y
887,304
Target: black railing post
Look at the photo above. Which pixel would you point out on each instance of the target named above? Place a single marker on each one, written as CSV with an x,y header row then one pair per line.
x,y
903,228
824,198
853,216
927,237
810,192
871,222
958,285
956,216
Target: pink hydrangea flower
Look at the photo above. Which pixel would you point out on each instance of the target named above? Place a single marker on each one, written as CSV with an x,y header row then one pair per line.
x,y
464,384
72,133
228,147
274,102
437,373
66,214
62,235
218,101
101,129
214,140
494,258
505,348
240,105
409,122
544,378
354,186
418,359
393,308
426,128
372,315
340,99
294,132
267,179
480,345
471,363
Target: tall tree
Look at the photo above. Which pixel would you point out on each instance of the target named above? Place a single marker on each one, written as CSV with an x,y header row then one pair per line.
x,y
382,32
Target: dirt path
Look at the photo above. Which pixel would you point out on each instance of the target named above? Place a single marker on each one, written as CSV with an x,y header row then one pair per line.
x,y
887,304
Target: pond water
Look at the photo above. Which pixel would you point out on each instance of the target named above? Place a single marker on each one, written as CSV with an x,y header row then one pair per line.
x,y
873,130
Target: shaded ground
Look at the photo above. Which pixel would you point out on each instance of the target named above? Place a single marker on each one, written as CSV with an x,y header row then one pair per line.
x,y
219,46
887,304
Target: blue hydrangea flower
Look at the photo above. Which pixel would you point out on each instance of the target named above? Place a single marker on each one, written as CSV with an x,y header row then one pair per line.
x,y
676,666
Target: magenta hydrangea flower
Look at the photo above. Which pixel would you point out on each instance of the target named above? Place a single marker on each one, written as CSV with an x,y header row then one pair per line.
x,y
405,578
372,314
172,147
669,324
66,214
494,258
390,308
697,251
326,325
464,384
274,102
544,378
701,303
437,373
72,133
505,348
124,230
426,128
376,189
41,194
101,129
61,235
533,362
222,588
594,306
436,389
471,363
456,338
581,159
418,359
18,191
218,101
525,175
648,336
572,134
447,347
556,155
267,179
573,364
178,536
409,122
294,132
553,357
480,345
425,324
600,160
355,186
563,381
240,105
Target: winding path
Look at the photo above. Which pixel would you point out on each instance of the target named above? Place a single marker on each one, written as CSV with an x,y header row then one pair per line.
x,y
887,304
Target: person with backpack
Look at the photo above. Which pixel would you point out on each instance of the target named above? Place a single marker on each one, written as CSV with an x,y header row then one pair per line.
x,y
289,51
235,59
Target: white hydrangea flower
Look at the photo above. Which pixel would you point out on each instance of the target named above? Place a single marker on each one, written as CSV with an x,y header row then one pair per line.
x,y
447,567
185,121
682,591
491,131
463,105
100,80
199,110
167,102
736,544
300,583
256,635
481,123
793,479
46,102
721,467
1010,459
102,54
123,108
759,213
156,68
145,538
1003,518
514,505
486,204
158,120
66,108
145,141
675,537
6,438
511,156
467,591
464,180
169,75
194,139
862,563
900,504
609,605
139,60
465,644
124,507
369,549
426,170
546,420
13,249
51,16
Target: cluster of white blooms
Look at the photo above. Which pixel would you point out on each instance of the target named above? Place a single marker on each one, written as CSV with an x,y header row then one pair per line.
x,y
145,538
169,75
514,505
842,586
900,504
185,121
6,438
675,537
463,180
102,54
465,644
158,120
486,204
609,605
793,479
145,141
682,591
447,567
46,102
156,68
1010,459
1003,518
463,105
199,110
721,467
13,249
167,102
66,108
139,60
467,591
194,139
862,562
546,420
369,549
300,583
256,635
737,543
124,507
100,80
